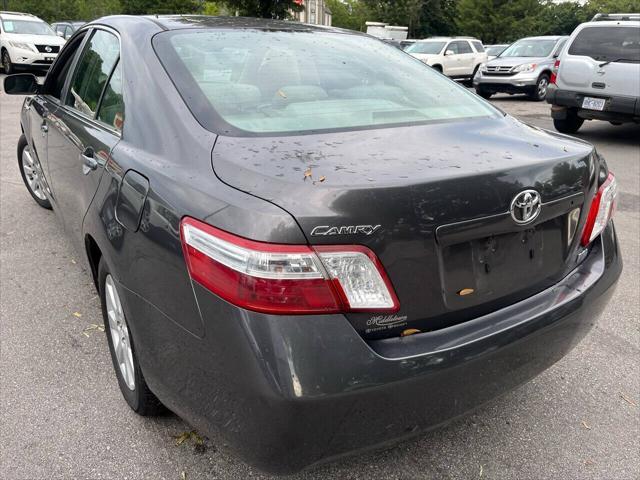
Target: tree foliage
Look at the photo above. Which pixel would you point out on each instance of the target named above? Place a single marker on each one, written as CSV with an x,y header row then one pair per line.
x,y
490,20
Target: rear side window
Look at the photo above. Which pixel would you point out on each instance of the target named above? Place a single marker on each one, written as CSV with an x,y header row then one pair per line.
x,y
478,46
608,44
111,111
93,71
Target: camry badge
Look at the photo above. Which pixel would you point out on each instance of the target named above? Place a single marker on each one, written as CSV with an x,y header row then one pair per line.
x,y
525,207
344,230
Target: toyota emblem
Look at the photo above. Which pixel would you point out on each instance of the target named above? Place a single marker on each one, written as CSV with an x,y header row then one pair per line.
x,y
47,49
526,206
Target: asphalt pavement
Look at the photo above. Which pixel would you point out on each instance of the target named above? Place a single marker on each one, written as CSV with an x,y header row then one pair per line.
x,y
62,415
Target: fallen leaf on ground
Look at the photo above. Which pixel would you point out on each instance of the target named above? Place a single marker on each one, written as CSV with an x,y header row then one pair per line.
x,y
628,400
93,326
73,261
481,470
322,178
77,314
183,475
183,437
307,173
586,425
588,461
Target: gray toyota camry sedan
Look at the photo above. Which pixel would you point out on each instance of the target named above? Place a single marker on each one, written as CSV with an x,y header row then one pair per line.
x,y
305,239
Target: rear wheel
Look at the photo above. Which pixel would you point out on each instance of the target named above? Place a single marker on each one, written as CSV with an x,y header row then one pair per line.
x,y
7,66
539,92
570,124
125,362
31,173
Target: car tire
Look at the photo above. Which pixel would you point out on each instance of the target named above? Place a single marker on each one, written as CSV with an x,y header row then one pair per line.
x,y
539,92
570,124
132,384
30,173
484,93
7,65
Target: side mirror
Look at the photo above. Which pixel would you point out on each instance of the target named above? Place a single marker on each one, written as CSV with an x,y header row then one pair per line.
x,y
449,52
21,84
60,34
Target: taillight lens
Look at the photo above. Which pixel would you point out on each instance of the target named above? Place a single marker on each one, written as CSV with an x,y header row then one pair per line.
x,y
554,72
601,210
285,279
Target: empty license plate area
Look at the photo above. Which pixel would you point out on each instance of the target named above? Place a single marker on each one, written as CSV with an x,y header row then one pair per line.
x,y
490,267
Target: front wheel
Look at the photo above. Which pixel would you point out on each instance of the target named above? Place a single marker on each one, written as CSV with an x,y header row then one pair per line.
x,y
539,92
31,173
6,63
570,124
484,93
123,354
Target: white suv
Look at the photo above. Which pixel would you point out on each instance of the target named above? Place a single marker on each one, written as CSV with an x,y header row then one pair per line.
x,y
456,57
26,41
597,75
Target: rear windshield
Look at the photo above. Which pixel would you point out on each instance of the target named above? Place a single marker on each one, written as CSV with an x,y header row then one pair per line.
x,y
530,48
283,81
27,27
608,44
432,48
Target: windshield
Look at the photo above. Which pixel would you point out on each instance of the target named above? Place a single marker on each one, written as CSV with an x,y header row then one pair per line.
x,y
530,48
432,48
495,50
292,81
608,44
27,27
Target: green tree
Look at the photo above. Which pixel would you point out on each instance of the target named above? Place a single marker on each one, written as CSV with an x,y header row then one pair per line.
x,y
142,7
351,14
264,8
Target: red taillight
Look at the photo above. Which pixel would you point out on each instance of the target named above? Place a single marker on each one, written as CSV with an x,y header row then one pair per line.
x,y
285,279
554,72
601,210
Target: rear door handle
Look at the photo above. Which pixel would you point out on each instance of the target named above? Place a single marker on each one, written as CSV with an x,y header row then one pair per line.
x,y
89,163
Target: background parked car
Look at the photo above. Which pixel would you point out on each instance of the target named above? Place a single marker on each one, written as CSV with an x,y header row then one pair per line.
x,y
524,67
456,57
494,50
26,41
66,28
597,76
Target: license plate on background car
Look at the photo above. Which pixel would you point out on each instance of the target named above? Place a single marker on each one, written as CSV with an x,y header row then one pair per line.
x,y
593,103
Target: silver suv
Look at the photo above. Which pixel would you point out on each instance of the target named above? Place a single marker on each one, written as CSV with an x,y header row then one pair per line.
x,y
597,76
524,67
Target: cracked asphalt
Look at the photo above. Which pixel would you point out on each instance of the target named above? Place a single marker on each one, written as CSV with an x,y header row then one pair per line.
x,y
62,416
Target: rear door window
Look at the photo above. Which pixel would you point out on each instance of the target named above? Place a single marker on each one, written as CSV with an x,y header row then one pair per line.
x,y
608,44
463,47
93,71
453,46
479,47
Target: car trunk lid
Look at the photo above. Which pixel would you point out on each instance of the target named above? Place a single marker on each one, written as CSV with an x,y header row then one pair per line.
x,y
432,202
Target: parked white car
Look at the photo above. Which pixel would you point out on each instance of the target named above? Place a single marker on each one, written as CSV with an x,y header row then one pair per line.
x,y
597,75
26,41
456,57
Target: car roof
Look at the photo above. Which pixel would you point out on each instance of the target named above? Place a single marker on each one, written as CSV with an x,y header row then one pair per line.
x,y
19,16
612,23
544,37
175,22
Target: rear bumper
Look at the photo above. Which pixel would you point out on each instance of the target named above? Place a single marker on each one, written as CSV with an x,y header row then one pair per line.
x,y
288,392
617,108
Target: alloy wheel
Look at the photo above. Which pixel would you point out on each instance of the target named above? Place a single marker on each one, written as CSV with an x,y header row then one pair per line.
x,y
543,83
31,174
119,333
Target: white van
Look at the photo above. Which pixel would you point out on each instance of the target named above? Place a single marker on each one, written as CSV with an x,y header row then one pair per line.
x,y
597,75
